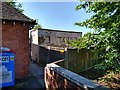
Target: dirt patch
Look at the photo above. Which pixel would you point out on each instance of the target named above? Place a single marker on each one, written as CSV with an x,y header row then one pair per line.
x,y
109,80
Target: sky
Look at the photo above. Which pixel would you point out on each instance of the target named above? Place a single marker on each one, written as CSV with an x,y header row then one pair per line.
x,y
57,15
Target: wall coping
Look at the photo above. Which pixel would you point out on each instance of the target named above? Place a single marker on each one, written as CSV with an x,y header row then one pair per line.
x,y
75,78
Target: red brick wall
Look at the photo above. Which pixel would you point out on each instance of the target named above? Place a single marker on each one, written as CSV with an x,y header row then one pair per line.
x,y
16,37
55,80
57,77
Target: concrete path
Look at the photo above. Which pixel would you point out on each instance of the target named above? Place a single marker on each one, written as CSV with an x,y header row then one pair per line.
x,y
37,71
34,80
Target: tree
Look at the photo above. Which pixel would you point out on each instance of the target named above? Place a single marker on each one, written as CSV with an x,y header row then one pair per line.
x,y
38,26
106,38
17,5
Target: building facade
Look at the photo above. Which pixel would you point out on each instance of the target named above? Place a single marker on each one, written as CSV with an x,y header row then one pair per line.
x,y
51,40
48,37
14,34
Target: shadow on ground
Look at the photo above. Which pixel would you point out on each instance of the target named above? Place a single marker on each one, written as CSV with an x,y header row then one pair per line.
x,y
35,79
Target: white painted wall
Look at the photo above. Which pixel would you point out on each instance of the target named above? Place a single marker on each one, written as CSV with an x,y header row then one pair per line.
x,y
34,36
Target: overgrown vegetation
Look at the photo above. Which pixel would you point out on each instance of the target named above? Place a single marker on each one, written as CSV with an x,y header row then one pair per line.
x,y
106,38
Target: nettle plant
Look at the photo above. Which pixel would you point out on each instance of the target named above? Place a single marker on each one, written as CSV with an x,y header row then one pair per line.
x,y
105,20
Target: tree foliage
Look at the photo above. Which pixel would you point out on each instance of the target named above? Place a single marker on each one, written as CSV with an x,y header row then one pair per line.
x,y
106,38
38,26
17,5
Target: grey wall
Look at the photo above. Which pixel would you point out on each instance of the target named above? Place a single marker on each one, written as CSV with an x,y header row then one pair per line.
x,y
55,37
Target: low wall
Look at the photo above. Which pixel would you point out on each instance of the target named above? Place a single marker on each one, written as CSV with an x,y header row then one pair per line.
x,y
57,77
78,61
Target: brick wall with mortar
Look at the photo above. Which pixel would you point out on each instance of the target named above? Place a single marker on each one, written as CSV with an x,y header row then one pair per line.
x,y
55,80
16,37
57,77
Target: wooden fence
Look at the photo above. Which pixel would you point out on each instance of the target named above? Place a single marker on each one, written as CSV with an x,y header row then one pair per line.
x,y
74,60
78,61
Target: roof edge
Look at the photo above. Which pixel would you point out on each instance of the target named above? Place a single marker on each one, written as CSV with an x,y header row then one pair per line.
x,y
34,21
59,30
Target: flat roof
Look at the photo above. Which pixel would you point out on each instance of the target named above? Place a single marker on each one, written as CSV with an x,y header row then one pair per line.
x,y
56,30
